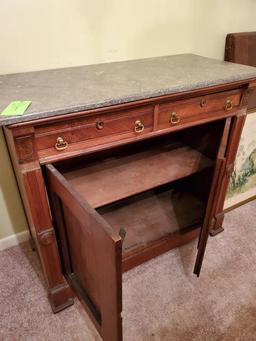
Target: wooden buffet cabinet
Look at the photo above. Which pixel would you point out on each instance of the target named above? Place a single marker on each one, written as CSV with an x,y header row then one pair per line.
x,y
108,188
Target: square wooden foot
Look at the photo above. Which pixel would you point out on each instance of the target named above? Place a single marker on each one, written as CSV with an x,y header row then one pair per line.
x,y
61,297
214,232
217,228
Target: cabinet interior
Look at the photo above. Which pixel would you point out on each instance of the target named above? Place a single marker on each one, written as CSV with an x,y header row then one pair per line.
x,y
152,188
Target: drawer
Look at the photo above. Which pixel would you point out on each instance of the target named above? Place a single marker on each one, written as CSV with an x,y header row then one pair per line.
x,y
94,130
200,108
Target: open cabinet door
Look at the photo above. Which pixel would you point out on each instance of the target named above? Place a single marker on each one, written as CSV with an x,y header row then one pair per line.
x,y
91,255
223,169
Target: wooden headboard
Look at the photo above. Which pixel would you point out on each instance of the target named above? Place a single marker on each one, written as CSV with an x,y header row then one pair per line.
x,y
241,48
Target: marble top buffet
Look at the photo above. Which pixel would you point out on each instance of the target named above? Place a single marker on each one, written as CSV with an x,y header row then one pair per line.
x,y
119,162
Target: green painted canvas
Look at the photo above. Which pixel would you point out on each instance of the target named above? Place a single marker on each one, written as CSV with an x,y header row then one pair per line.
x,y
242,184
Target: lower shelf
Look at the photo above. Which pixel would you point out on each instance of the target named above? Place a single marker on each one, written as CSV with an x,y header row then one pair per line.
x,y
152,216
157,247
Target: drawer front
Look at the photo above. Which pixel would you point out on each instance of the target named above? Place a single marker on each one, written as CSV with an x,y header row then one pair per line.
x,y
196,109
97,129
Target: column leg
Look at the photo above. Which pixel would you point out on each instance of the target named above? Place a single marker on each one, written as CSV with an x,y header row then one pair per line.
x,y
60,294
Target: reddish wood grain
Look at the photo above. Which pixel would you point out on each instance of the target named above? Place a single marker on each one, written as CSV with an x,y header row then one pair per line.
x,y
116,178
90,247
95,255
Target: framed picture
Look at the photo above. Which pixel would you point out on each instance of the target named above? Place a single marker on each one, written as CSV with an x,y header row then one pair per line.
x,y
242,186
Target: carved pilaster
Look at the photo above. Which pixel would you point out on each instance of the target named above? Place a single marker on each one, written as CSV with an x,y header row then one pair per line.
x,y
22,146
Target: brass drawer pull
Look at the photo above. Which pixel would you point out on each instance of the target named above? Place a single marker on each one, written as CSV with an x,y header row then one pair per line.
x,y
175,119
99,125
139,126
60,144
229,105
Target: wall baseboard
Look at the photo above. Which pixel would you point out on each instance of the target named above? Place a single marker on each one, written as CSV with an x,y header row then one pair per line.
x,y
14,239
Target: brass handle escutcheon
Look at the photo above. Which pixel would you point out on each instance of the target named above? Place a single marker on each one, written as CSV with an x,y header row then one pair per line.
x,y
203,103
99,125
60,144
139,126
229,105
175,119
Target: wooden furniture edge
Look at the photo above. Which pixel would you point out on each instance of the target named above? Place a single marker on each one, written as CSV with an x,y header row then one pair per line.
x,y
235,135
31,185
152,100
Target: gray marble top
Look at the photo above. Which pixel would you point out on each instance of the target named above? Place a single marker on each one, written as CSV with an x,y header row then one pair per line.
x,y
56,92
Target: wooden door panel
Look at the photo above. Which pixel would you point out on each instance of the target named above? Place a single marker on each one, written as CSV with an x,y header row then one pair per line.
x,y
91,255
225,161
215,187
83,256
207,225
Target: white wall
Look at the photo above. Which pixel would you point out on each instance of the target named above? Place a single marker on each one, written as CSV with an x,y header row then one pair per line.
x,y
12,219
38,35
215,18
49,34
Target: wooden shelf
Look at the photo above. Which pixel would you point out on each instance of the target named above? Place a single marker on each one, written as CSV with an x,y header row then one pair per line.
x,y
112,179
153,215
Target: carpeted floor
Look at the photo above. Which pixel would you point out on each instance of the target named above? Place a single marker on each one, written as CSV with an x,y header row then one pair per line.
x,y
162,299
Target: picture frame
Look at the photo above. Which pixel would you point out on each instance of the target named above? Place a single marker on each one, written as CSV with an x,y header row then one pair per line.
x,y
242,185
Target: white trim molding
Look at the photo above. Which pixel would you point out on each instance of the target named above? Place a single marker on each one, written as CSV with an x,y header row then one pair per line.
x,y
14,239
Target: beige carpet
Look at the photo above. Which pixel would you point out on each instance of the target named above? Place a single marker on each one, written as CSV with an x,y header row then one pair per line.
x,y
162,299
